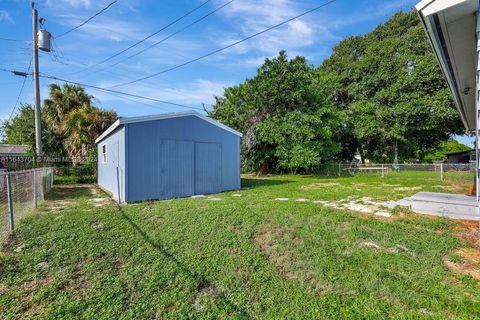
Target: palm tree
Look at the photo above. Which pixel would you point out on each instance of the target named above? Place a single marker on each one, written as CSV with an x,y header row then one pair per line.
x,y
82,126
61,101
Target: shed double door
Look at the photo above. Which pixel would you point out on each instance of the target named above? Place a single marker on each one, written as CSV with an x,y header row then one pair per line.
x,y
188,168
208,168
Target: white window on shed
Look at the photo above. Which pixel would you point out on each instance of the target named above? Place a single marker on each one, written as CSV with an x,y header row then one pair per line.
x,y
104,153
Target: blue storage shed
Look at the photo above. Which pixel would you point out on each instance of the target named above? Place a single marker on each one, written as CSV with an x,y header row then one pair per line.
x,y
168,156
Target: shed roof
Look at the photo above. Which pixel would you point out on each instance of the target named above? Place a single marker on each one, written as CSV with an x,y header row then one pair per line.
x,y
13,149
123,121
451,27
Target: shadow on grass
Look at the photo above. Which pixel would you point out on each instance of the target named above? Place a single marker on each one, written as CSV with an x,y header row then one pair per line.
x,y
201,280
262,182
65,192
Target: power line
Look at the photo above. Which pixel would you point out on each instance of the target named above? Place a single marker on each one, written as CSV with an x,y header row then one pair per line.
x,y
105,89
13,40
147,37
170,36
88,20
226,47
21,91
117,92
130,99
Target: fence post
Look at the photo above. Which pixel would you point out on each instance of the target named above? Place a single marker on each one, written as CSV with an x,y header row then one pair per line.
x,y
10,204
35,201
339,169
441,171
51,177
383,174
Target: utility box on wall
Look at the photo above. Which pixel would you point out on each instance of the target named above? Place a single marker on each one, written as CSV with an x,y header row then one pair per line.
x,y
168,156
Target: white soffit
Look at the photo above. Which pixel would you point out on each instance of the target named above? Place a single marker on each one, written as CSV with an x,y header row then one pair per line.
x,y
429,7
452,31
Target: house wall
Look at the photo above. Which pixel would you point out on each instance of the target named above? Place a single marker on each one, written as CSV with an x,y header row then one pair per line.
x,y
166,156
459,157
109,178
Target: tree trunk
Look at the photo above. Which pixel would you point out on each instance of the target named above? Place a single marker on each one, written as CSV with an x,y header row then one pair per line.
x,y
360,152
395,152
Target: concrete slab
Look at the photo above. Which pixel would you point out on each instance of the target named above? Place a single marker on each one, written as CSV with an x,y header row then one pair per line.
x,y
453,206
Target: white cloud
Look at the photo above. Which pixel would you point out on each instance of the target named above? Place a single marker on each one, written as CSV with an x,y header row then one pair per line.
x,y
71,3
298,35
5,17
254,16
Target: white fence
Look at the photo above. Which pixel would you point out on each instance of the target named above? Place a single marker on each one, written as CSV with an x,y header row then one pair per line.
x,y
20,191
440,171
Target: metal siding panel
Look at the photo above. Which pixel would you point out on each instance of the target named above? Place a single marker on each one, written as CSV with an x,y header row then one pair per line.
x,y
144,137
208,168
143,153
177,169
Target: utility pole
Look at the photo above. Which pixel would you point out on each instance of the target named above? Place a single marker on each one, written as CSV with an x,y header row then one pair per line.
x,y
36,83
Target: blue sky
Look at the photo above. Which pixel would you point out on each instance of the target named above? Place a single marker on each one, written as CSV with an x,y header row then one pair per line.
x,y
128,21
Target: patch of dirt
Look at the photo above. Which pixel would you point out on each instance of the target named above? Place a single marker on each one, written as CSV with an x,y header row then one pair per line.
x,y
320,185
467,231
397,249
471,255
408,188
82,262
36,307
205,295
99,202
99,226
365,205
463,268
361,184
156,220
283,258
369,244
32,285
448,188
266,241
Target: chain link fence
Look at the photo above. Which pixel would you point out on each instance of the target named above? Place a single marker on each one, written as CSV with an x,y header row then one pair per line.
x,y
20,191
437,171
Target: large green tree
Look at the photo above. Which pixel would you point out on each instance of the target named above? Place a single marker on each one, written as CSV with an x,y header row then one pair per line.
x,y
287,116
392,90
21,130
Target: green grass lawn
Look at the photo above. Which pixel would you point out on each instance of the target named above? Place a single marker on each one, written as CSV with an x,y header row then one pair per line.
x,y
247,256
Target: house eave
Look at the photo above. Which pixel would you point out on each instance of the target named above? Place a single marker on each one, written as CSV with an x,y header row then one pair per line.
x,y
450,26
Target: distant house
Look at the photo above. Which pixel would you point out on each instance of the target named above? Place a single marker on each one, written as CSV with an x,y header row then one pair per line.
x,y
461,156
13,150
9,155
168,156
